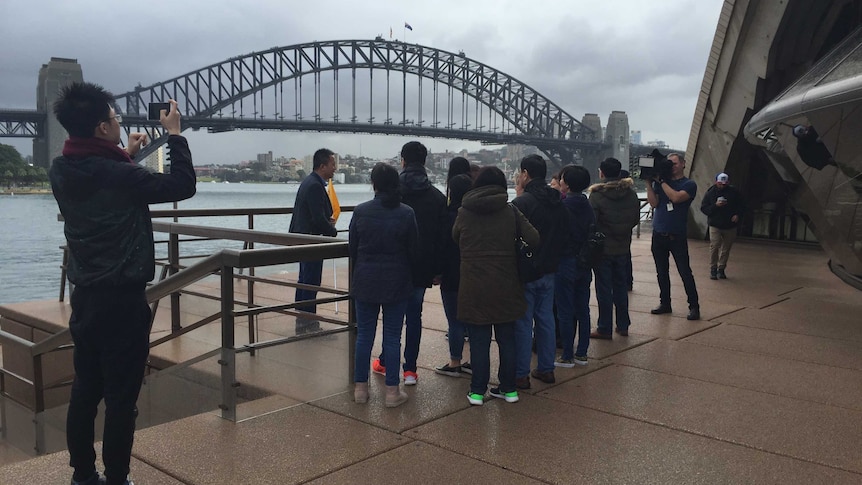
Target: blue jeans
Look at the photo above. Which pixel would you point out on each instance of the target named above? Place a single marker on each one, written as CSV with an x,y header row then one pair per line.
x,y
413,334
366,328
310,273
572,296
456,327
480,356
540,307
664,245
612,292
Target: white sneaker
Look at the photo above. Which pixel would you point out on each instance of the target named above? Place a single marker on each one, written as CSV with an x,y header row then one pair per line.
x,y
410,378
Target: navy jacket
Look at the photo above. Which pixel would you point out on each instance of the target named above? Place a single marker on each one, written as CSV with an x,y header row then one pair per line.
x,y
580,217
107,220
383,245
312,209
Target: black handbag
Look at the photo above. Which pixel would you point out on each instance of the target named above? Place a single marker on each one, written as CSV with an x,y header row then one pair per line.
x,y
527,260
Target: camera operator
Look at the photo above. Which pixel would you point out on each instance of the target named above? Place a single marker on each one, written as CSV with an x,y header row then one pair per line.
x,y
670,195
104,196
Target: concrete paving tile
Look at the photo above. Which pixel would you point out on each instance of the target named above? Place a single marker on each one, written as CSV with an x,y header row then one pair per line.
x,y
557,442
54,469
435,396
435,466
602,349
772,375
289,446
819,433
825,323
803,348
666,326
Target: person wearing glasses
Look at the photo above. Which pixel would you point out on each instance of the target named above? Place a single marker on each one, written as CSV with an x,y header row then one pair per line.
x,y
103,196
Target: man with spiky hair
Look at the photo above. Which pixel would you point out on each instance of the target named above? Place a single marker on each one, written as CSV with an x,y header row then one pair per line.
x,y
103,196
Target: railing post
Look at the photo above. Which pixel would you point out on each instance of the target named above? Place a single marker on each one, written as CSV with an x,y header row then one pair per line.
x,y
38,412
228,354
250,287
351,325
174,263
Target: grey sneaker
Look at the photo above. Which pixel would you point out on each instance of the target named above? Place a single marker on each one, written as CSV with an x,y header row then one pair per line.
x,y
580,360
566,363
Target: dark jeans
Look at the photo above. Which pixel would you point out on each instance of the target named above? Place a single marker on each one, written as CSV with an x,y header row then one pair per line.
x,y
572,296
310,273
110,329
612,292
664,245
480,356
413,332
456,327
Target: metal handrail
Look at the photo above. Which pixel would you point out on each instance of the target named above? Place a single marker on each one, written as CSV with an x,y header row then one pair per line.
x,y
299,248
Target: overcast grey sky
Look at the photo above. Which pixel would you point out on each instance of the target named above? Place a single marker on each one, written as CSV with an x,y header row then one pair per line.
x,y
644,58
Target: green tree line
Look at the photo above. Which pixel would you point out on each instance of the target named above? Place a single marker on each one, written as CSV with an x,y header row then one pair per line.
x,y
15,171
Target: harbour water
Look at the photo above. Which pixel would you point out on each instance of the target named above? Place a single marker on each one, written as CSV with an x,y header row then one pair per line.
x,y
31,235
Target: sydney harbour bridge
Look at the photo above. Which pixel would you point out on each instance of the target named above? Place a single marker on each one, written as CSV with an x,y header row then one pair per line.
x,y
355,86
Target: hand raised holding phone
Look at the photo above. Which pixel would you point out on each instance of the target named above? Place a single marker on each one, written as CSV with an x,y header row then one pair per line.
x,y
167,114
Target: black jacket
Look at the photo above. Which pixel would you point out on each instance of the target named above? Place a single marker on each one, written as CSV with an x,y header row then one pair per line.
x,y
383,246
719,217
542,207
429,206
580,218
312,209
107,219
617,210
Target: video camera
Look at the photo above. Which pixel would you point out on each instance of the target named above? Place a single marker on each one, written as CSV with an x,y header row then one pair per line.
x,y
655,165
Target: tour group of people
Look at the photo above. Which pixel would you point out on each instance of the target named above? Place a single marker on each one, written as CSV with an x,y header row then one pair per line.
x,y
412,236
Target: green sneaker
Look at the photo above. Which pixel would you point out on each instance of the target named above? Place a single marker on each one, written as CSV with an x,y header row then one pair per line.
x,y
475,399
507,396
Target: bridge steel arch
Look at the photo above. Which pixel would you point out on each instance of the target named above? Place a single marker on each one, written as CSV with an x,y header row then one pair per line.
x,y
205,95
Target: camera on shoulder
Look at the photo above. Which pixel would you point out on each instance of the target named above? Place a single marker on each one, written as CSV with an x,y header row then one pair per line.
x,y
656,165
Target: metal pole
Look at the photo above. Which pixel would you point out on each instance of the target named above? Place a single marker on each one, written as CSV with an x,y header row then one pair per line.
x,y
39,412
174,264
228,354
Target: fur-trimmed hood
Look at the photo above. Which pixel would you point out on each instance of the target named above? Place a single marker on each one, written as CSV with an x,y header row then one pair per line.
x,y
613,188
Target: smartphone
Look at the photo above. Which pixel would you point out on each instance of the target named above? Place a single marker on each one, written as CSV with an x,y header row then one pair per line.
x,y
154,108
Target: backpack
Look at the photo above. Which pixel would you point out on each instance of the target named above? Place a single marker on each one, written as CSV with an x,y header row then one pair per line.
x,y
592,250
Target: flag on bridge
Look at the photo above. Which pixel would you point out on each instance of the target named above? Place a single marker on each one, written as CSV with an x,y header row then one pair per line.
x,y
390,32
407,26
333,200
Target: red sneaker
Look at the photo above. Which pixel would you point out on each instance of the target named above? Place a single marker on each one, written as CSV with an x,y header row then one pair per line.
x,y
377,368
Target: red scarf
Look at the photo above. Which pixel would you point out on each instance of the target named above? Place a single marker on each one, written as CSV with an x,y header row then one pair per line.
x,y
79,148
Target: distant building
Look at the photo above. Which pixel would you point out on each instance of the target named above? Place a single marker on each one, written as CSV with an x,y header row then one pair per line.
x,y
265,158
657,144
636,137
156,161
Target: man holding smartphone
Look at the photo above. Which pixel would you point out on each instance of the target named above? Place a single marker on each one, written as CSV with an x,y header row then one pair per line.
x,y
104,196
724,206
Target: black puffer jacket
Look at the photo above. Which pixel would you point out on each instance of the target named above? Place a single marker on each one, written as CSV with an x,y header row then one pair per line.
x,y
429,206
542,207
107,220
383,246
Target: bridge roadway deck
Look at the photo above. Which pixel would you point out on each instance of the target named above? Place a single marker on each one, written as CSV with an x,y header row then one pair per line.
x,y
767,388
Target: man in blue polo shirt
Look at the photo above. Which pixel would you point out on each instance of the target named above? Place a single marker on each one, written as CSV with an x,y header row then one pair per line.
x,y
671,197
